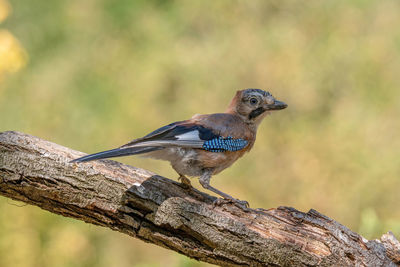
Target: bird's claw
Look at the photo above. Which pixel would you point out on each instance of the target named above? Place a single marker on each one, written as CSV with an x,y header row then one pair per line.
x,y
243,204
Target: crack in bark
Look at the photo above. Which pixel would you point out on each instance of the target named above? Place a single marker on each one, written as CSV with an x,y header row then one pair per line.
x,y
157,210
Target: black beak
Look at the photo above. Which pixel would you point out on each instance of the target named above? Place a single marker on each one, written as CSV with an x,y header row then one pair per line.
x,y
277,105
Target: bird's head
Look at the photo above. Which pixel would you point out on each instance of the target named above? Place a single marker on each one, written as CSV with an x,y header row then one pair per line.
x,y
252,105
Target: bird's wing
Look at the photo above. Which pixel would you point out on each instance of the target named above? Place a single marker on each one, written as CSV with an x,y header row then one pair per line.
x,y
190,135
179,134
183,133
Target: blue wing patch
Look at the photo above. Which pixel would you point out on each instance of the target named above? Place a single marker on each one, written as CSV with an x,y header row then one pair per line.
x,y
221,144
188,134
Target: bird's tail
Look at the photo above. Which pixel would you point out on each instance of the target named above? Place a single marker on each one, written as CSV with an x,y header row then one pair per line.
x,y
118,152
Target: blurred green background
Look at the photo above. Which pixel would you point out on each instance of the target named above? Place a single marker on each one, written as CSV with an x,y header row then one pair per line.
x,y
92,75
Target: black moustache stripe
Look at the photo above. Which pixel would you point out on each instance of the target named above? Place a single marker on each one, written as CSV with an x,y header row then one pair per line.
x,y
255,113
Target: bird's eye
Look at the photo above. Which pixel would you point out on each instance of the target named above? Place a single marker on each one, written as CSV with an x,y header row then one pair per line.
x,y
253,101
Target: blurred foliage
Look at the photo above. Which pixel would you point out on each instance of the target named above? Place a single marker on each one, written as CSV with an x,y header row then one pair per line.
x,y
103,72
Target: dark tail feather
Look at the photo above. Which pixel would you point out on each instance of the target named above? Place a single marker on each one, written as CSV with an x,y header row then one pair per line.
x,y
118,152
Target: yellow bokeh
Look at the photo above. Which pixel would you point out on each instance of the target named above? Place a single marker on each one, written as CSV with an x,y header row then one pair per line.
x,y
12,55
5,10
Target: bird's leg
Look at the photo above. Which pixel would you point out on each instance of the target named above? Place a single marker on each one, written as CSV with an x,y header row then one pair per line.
x,y
184,180
205,182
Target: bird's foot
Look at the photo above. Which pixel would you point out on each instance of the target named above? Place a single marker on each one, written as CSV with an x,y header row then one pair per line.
x,y
243,204
185,182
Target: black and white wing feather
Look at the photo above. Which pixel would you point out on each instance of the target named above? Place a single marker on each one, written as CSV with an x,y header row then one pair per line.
x,y
176,134
181,134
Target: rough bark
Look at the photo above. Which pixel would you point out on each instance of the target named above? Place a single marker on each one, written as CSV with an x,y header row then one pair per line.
x,y
160,211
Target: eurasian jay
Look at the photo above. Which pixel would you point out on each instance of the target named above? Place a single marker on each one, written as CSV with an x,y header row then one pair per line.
x,y
205,144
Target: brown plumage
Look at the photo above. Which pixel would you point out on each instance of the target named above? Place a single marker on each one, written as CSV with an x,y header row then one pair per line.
x,y
205,144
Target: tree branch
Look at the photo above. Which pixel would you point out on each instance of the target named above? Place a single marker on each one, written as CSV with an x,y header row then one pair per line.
x,y
158,210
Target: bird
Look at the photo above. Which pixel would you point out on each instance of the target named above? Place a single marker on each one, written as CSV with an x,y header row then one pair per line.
x,y
204,145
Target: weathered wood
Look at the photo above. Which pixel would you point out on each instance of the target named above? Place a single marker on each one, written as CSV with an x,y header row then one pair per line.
x,y
160,211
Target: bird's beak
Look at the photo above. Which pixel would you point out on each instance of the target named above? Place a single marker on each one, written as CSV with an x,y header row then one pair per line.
x,y
277,105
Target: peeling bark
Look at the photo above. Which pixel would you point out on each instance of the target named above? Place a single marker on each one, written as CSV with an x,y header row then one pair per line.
x,y
158,210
